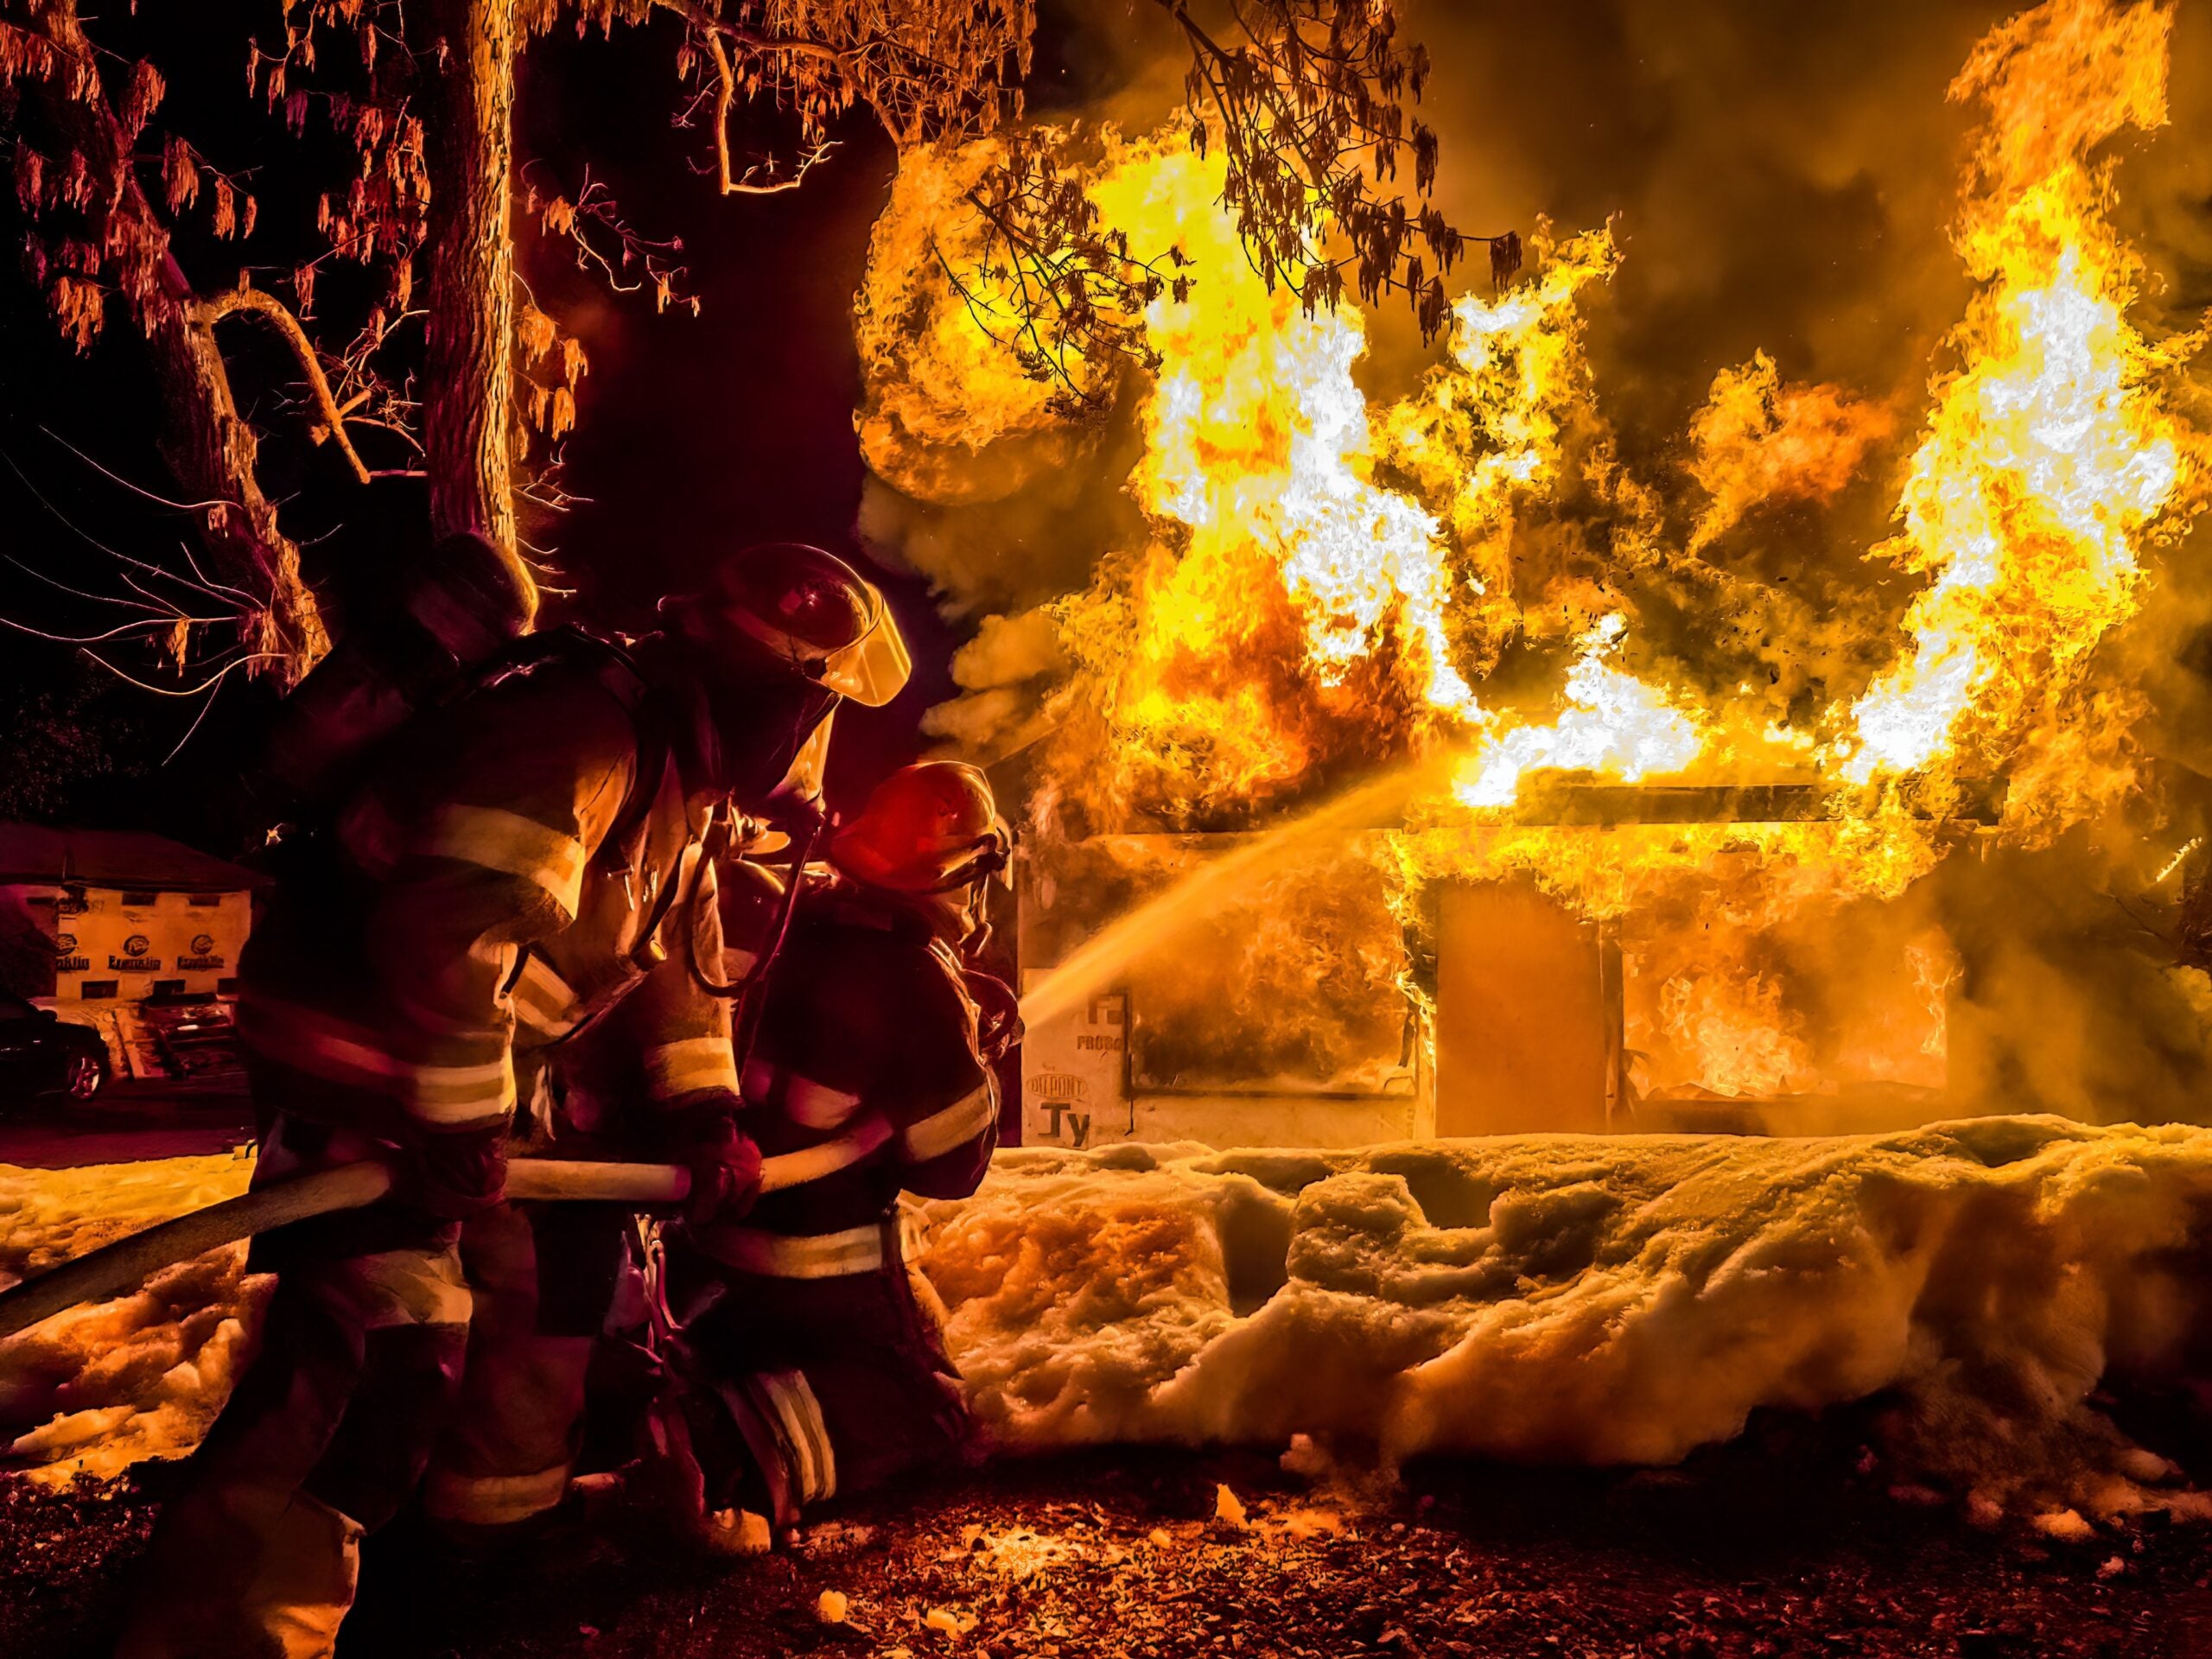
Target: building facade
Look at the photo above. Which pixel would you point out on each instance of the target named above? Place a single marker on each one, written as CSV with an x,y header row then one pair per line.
x,y
99,924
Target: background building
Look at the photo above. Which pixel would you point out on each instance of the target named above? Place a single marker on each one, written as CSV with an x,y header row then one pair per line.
x,y
121,930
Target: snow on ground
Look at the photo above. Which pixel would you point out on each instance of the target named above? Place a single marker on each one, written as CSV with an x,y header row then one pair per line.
x,y
98,1387
1597,1300
1545,1299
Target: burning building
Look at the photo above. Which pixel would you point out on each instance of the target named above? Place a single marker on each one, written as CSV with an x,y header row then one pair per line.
x,y
1436,768
1414,764
1315,1008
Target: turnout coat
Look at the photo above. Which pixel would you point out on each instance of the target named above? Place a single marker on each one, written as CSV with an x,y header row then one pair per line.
x,y
799,1321
523,876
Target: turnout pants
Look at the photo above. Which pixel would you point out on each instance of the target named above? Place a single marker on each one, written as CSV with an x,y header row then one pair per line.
x,y
797,1386
545,1277
324,1437
395,1344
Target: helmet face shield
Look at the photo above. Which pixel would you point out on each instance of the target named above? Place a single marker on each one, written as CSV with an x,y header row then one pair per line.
x,y
874,668
804,612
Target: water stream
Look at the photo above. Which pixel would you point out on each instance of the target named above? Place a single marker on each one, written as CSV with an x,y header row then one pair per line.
x,y
1219,882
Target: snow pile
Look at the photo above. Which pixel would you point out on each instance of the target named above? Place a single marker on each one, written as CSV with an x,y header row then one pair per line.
x,y
1549,1299
100,1388
1598,1300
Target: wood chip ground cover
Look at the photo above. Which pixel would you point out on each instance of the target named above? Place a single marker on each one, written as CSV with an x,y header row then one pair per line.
x,y
1787,1544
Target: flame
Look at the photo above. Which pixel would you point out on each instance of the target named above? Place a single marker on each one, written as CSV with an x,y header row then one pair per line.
x,y
1736,1030
1487,435
1289,608
2049,453
1614,725
1934,971
1293,608
1760,440
2048,456
1322,587
949,410
1259,441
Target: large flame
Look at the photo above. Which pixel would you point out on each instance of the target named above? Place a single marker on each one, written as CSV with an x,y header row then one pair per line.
x,y
1323,588
1614,726
2049,455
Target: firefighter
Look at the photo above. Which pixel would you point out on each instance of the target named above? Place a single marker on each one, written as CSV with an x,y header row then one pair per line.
x,y
522,877
805,1360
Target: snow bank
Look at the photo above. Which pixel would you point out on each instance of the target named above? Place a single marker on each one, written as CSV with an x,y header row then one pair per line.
x,y
100,1388
1598,1300
1547,1299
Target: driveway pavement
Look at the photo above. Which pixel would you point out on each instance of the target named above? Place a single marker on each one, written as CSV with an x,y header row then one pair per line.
x,y
126,1121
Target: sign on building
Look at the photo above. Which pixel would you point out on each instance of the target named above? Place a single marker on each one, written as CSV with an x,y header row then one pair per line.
x,y
1075,1075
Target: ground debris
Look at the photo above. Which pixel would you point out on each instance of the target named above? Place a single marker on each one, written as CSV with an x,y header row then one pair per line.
x,y
1119,1555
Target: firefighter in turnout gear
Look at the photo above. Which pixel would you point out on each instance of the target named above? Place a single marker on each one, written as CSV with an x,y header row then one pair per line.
x,y
520,888
805,1362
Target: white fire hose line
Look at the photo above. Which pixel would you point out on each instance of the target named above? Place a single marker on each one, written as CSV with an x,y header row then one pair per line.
x,y
119,1269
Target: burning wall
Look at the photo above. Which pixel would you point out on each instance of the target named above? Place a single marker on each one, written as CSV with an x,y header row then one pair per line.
x,y
1483,580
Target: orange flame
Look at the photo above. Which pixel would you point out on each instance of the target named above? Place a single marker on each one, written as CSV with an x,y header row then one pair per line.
x,y
2049,455
1758,440
1324,586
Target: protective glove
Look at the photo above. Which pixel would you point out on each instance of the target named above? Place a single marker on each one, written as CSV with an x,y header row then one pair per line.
x,y
998,1015
725,1164
725,1178
453,1176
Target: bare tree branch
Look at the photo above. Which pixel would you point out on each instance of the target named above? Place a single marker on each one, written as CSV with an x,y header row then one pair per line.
x,y
272,310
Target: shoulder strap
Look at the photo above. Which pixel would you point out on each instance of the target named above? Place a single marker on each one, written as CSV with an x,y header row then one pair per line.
x,y
615,669
619,675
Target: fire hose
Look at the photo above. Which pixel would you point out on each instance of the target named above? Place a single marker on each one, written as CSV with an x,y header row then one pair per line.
x,y
118,1268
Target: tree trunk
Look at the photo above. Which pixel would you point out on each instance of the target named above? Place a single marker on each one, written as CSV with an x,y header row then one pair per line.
x,y
468,371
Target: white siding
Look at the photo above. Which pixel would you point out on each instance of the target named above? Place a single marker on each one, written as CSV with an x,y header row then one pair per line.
x,y
194,937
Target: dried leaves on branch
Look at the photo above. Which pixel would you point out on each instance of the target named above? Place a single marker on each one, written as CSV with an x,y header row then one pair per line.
x,y
112,210
927,70
608,243
1054,285
1309,103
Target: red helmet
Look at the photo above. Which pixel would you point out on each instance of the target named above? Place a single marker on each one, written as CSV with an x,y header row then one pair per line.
x,y
808,610
929,828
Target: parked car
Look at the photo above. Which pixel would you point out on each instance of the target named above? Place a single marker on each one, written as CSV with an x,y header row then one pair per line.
x,y
194,1036
41,1054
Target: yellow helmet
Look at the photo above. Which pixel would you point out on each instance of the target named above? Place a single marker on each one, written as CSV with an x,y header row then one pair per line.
x,y
806,609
